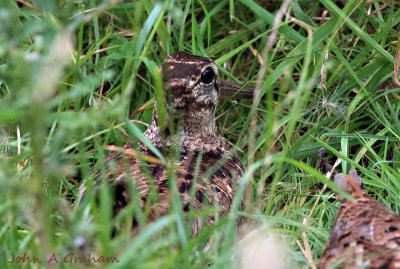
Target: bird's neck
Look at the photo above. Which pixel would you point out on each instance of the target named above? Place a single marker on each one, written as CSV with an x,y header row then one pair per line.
x,y
195,130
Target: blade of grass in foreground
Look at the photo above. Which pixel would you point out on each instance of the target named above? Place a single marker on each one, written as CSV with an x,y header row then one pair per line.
x,y
133,129
142,239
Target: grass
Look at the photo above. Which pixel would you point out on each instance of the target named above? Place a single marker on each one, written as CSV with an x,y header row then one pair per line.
x,y
73,72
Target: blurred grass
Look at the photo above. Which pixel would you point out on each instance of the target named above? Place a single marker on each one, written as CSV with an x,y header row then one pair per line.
x,y
73,72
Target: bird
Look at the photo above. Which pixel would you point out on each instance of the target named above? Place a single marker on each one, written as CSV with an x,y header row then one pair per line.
x,y
192,89
365,234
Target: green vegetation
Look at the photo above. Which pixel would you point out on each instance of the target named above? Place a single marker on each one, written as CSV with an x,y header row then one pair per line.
x,y
73,72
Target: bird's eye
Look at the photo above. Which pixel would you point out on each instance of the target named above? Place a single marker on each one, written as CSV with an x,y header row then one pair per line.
x,y
208,75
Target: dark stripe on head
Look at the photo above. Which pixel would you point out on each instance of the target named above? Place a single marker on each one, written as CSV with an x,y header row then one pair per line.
x,y
181,67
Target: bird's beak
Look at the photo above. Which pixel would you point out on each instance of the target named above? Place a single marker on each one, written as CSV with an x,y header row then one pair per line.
x,y
233,90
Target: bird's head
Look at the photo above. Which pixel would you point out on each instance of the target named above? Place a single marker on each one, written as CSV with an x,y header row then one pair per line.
x,y
191,81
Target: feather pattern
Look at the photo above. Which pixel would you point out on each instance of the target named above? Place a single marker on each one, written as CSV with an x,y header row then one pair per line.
x,y
191,80
365,233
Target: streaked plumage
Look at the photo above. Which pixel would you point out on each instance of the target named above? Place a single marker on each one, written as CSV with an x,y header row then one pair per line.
x,y
192,82
365,233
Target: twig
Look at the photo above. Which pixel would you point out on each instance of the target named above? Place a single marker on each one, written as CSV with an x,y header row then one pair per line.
x,y
397,62
30,5
307,250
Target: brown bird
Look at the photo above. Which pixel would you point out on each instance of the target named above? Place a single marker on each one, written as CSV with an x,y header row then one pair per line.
x,y
194,88
365,233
